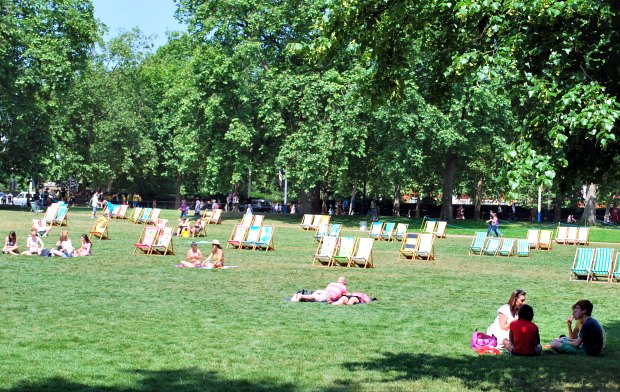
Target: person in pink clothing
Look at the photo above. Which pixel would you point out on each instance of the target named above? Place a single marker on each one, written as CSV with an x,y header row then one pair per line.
x,y
332,292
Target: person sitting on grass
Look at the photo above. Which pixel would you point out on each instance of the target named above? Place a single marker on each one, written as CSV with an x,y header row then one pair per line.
x,y
86,248
216,258
590,340
506,314
182,226
34,244
524,338
197,227
64,247
10,244
193,258
333,292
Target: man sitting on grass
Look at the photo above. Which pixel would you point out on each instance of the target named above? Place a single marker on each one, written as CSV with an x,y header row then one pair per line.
x,y
590,338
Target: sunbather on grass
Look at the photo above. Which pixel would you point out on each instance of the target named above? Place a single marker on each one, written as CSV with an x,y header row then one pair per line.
x,y
193,258
333,292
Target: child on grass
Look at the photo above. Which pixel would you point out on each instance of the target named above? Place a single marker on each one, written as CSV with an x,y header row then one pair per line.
x,y
524,336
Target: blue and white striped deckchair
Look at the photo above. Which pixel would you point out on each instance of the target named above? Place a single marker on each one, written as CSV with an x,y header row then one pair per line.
x,y
321,231
401,231
602,264
334,230
523,248
478,242
582,264
387,234
507,247
265,240
491,246
375,230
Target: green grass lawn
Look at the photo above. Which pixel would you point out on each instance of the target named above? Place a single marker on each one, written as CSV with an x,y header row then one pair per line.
x,y
118,322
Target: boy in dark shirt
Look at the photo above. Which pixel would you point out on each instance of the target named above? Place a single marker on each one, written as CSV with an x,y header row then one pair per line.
x,y
523,335
591,337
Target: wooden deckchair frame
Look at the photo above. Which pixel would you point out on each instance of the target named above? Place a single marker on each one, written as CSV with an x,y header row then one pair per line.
x,y
145,247
615,269
154,216
426,247
250,237
587,263
144,217
325,251
400,235
561,234
135,214
440,229
583,239
306,221
387,231
258,220
545,240
246,220
497,243
62,216
507,248
321,231
100,229
51,212
216,217
571,235
202,232
521,245
532,238
237,236
163,245
376,228
265,243
477,243
334,230
409,246
316,219
429,226
122,212
341,259
363,261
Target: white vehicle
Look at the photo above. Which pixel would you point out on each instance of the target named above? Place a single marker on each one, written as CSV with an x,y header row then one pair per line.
x,y
21,200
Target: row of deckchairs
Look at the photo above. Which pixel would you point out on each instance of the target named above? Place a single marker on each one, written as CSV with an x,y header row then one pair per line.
x,y
212,216
345,252
155,240
119,212
56,214
252,237
418,246
252,220
595,264
437,228
540,239
482,244
388,231
146,215
312,222
572,235
325,229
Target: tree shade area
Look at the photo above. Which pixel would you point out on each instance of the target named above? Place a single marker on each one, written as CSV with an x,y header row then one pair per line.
x,y
488,99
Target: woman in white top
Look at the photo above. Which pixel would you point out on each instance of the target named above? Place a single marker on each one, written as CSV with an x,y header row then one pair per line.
x,y
506,315
34,244
64,247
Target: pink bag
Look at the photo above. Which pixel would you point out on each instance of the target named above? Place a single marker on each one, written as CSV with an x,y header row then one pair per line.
x,y
482,340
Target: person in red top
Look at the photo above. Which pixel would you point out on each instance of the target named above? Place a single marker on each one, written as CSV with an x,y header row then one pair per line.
x,y
524,336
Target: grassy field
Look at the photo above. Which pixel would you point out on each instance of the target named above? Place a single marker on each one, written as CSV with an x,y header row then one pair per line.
x,y
119,322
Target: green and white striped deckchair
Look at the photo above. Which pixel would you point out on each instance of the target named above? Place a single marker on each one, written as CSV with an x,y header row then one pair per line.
x,y
602,264
507,247
523,248
491,246
615,275
478,242
582,263
345,251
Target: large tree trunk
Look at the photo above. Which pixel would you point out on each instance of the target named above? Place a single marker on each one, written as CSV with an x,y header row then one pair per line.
x,y
396,208
446,197
177,190
589,212
310,202
353,193
109,188
478,198
557,213
417,205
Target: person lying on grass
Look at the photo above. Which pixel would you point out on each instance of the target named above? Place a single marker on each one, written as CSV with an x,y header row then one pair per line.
x,y
192,260
34,244
333,292
10,244
352,299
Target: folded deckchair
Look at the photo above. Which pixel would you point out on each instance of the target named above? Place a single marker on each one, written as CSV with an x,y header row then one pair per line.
x,y
237,236
61,217
334,230
265,239
583,237
602,265
571,235
146,240
491,246
440,229
321,231
532,238
164,246
429,226
544,241
507,247
325,251
387,234
426,248
51,212
523,248
615,275
561,234
135,214
144,216
375,230
345,251
216,217
362,256
306,221
247,219
258,220
409,246
401,231
251,237
100,229
582,264
478,242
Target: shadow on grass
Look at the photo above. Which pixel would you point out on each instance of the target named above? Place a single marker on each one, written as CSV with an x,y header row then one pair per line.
x,y
186,380
550,372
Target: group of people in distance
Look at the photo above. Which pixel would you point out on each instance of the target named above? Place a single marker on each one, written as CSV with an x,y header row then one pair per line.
x,y
194,257
515,331
35,246
335,294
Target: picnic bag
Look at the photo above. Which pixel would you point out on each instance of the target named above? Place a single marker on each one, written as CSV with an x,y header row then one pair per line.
x,y
482,340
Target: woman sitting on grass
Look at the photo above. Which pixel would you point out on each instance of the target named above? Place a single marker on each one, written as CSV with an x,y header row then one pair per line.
x,y
86,248
333,292
34,244
506,314
192,260
216,258
64,247
10,244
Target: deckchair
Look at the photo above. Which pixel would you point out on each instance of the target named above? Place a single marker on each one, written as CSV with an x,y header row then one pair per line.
x,y
363,254
315,222
561,234
61,217
258,220
321,231
582,264
34,208
146,240
532,238
615,275
426,248
376,228
265,240
571,235
115,210
491,246
216,217
206,215
325,251
583,238
144,216
161,223
135,214
154,215
121,212
247,219
51,212
306,221
237,236
429,226
387,234
345,251
507,247
334,230
401,231
323,219
100,229
523,248
602,264
164,245
544,241
440,229
251,237
478,242
410,244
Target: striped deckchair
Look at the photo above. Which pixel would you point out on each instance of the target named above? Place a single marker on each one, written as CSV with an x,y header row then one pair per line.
x,y
582,264
345,251
602,264
387,234
401,231
615,275
478,242
507,247
523,248
376,229
491,246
